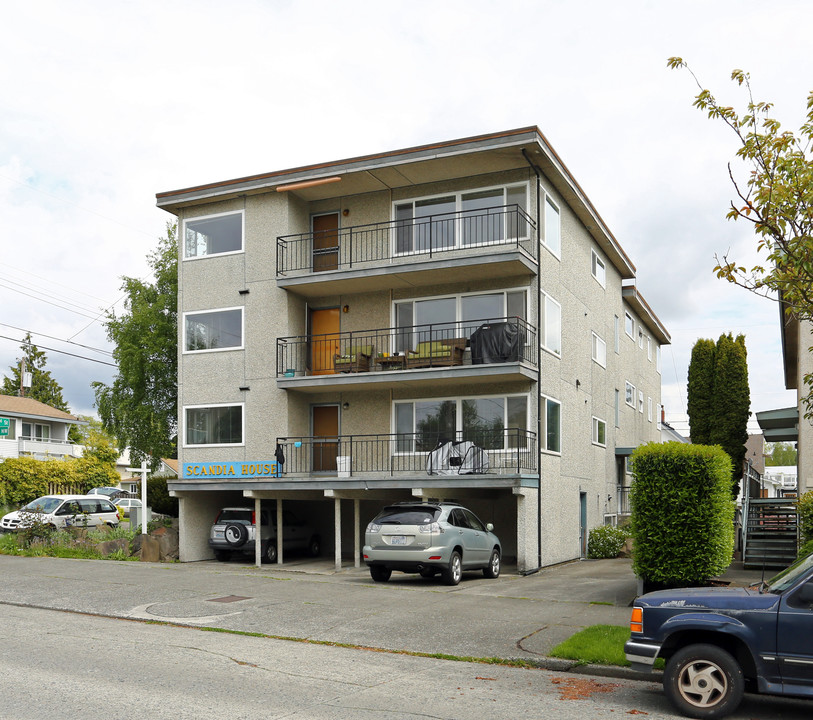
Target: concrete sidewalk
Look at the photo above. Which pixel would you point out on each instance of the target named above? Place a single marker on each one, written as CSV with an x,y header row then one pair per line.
x,y
513,617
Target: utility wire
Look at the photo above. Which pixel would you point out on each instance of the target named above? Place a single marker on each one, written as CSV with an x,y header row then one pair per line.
x,y
51,337
62,352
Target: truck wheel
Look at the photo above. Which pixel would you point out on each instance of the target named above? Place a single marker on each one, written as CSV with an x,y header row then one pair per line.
x,y
380,574
703,681
315,546
270,552
451,575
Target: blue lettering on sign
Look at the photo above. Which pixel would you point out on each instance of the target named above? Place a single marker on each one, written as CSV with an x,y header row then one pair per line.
x,y
251,469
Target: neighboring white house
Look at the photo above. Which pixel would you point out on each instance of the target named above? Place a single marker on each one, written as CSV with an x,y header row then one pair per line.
x,y
35,429
780,480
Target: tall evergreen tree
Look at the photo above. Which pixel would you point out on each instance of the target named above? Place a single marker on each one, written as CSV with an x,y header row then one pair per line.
x,y
43,386
732,400
719,398
700,402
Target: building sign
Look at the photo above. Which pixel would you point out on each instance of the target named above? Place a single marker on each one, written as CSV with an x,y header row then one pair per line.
x,y
4,426
235,470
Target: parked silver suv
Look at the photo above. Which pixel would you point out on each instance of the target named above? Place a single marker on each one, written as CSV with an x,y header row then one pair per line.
x,y
234,530
430,538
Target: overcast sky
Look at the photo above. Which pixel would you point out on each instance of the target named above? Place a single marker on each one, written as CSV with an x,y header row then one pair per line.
x,y
104,103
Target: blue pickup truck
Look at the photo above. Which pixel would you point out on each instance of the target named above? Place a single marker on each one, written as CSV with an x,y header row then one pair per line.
x,y
720,642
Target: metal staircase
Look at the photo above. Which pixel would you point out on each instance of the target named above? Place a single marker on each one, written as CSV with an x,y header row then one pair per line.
x,y
770,532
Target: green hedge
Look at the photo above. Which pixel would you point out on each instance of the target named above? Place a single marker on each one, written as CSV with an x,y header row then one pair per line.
x,y
805,508
24,479
158,497
682,513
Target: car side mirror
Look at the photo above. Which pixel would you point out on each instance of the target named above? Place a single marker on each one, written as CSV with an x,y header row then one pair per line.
x,y
489,527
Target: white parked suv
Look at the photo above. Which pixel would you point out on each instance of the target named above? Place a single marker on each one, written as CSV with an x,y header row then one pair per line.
x,y
63,511
235,530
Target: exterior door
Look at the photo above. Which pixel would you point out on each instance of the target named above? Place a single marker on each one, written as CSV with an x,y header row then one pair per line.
x,y
325,424
324,340
325,242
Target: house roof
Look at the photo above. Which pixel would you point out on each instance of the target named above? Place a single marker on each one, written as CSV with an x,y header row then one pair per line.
x,y
495,152
636,300
28,407
171,463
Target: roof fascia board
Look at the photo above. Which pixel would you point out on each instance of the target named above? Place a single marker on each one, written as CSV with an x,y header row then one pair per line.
x,y
636,300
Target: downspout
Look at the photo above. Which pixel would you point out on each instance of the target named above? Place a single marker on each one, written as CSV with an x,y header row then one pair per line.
x,y
538,174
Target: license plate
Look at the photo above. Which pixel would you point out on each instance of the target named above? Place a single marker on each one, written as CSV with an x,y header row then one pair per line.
x,y
218,533
398,540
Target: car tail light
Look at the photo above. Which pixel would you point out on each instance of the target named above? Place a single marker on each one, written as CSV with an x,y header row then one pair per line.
x,y
373,528
253,518
430,528
637,620
217,517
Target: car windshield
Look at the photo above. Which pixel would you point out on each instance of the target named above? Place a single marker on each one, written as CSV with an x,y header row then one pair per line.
x,y
43,504
415,515
787,577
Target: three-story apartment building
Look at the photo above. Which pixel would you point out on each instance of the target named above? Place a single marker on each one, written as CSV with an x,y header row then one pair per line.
x,y
449,321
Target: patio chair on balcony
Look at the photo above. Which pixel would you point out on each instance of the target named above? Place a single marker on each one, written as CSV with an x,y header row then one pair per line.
x,y
356,360
437,353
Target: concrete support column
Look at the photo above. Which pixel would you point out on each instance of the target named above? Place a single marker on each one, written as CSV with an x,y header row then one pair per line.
x,y
337,531
356,533
258,533
527,524
279,531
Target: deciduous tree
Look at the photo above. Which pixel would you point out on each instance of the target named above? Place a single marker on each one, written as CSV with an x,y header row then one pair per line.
x,y
140,408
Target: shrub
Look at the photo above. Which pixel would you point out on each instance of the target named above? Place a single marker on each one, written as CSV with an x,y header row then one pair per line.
x,y
805,508
682,513
605,541
25,479
805,549
158,497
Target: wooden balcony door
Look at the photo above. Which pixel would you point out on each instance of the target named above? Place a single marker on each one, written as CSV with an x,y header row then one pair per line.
x,y
325,424
324,340
325,230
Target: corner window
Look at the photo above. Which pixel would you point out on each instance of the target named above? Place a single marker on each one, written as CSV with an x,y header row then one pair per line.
x,y
552,238
658,358
599,432
617,408
551,439
213,235
551,331
629,325
598,269
629,394
213,425
599,351
649,409
617,333
213,330
641,339
641,402
649,348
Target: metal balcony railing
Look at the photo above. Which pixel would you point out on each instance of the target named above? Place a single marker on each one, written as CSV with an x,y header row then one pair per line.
x,y
477,451
489,340
406,240
623,497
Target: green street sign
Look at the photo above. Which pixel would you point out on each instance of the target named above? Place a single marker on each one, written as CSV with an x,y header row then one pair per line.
x,y
4,425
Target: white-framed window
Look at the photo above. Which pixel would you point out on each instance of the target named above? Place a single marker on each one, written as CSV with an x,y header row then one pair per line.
x,y
598,268
552,237
464,219
599,432
629,394
551,439
660,415
446,316
599,350
649,348
658,358
213,330
617,333
617,407
641,402
219,424
649,409
207,235
640,338
629,325
492,422
35,431
550,334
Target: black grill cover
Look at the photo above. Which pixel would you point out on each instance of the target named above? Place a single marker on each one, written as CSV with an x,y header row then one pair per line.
x,y
496,343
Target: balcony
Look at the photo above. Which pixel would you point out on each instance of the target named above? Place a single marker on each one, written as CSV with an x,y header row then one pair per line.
x,y
480,456
466,353
486,243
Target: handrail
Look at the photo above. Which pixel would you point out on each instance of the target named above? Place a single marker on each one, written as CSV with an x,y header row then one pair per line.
x,y
507,450
401,348
402,240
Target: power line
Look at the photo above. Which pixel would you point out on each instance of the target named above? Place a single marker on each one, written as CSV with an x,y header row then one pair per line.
x,y
62,352
51,337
